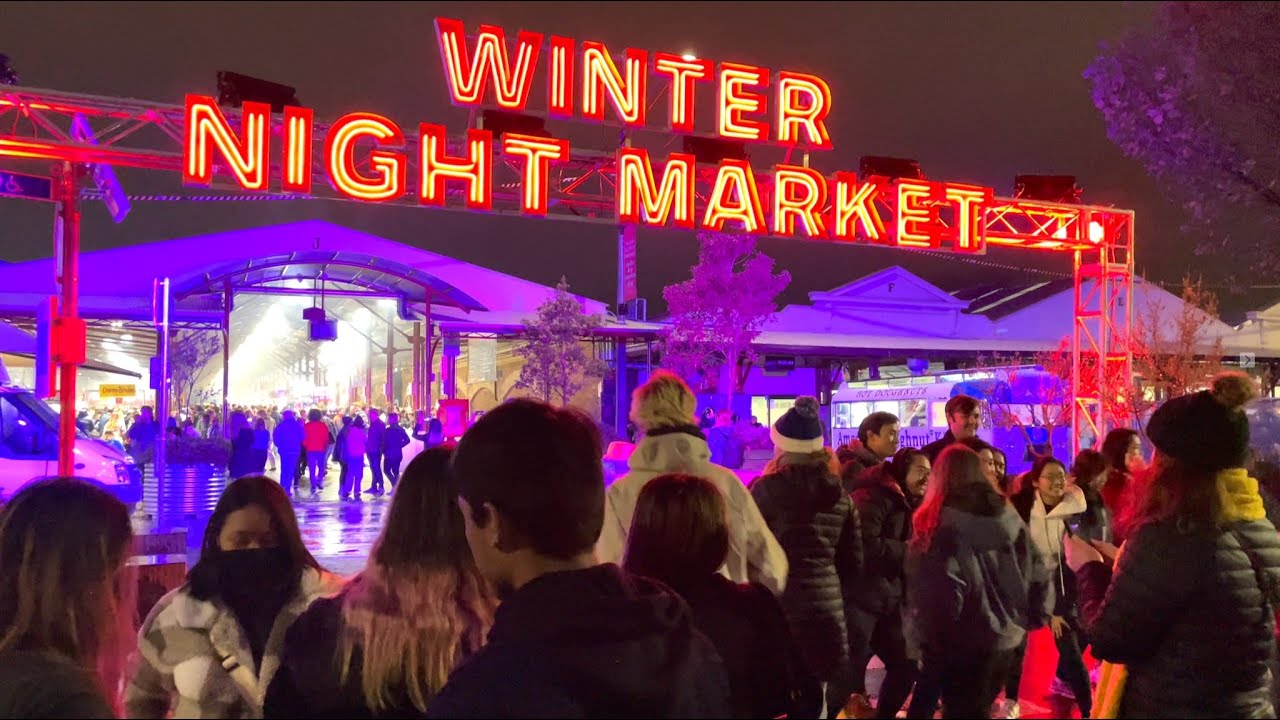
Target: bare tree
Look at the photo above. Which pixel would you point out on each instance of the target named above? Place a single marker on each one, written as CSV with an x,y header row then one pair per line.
x,y
190,352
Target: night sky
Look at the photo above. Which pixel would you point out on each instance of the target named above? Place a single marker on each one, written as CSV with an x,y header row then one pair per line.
x,y
976,92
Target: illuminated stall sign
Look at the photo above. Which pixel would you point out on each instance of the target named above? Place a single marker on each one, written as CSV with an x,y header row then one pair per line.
x,y
585,81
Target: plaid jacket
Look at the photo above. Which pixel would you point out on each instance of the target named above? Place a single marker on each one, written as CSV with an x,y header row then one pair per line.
x,y
182,669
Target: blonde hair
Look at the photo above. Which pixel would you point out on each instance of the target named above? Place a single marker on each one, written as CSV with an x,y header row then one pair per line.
x,y
413,630
421,606
664,400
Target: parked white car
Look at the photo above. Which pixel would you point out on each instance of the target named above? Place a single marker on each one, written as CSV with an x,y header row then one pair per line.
x,y
29,450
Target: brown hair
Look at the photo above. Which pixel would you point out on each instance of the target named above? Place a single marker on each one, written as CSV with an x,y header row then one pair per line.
x,y
63,546
421,606
679,532
203,579
960,404
956,468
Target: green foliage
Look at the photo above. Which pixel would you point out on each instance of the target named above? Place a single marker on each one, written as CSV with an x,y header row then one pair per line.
x,y
556,363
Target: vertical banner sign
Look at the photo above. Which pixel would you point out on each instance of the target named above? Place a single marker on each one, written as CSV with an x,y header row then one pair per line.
x,y
627,247
482,360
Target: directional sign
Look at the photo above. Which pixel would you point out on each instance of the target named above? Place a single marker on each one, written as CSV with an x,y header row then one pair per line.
x,y
117,391
32,187
113,195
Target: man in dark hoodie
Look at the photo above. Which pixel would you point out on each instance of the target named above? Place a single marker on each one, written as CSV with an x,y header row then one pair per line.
x,y
964,416
877,441
572,638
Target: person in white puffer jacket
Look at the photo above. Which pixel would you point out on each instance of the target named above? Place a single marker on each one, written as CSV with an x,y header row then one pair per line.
x,y
663,409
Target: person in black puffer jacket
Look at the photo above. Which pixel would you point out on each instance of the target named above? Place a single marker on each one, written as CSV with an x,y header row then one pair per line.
x,y
1189,608
973,582
804,505
885,496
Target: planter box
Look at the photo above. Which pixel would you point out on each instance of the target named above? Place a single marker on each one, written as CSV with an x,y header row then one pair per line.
x,y
185,496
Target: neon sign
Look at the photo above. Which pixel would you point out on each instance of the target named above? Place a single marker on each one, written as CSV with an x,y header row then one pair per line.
x,y
585,80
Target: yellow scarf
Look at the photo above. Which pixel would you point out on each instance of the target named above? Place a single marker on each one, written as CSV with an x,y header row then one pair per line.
x,y
1238,501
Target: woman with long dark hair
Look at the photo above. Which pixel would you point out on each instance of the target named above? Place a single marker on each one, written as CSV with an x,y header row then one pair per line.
x,y
1189,608
971,587
210,648
680,536
1047,503
387,643
1122,449
67,606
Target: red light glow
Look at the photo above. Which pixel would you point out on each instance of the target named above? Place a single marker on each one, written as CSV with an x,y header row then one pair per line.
x,y
684,72
799,197
246,156
467,78
537,154
339,153
475,170
734,197
736,100
915,213
600,77
641,199
298,123
804,101
855,208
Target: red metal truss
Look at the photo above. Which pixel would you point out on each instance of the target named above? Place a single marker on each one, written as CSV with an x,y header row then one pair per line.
x,y
35,124
140,134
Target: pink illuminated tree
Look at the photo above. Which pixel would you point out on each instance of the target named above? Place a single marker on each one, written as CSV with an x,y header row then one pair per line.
x,y
716,314
556,363
1193,97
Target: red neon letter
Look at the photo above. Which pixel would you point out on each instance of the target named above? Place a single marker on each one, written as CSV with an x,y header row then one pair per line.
x,y
247,156
734,101
560,77
914,211
734,177
297,149
854,207
639,197
969,200
600,75
475,169
683,74
467,78
809,116
799,193
538,154
339,153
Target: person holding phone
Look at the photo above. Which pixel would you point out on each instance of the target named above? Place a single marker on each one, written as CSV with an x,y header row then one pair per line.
x,y
1051,507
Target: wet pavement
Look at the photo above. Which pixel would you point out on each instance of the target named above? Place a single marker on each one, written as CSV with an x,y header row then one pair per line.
x,y
339,533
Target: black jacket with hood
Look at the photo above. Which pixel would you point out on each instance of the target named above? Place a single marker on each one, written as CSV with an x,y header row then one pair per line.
x,y
976,587
884,511
855,459
815,522
593,643
1186,610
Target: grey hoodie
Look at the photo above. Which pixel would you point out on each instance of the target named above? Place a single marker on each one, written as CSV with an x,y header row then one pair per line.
x,y
980,586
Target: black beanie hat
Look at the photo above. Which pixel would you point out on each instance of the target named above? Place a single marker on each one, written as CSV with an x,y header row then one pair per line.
x,y
1207,430
799,430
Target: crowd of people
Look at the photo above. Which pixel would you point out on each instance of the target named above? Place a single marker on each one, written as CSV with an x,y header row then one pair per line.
x,y
286,442
509,581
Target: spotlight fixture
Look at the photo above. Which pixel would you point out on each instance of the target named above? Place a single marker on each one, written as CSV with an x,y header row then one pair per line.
x,y
1047,188
892,168
500,122
235,89
711,151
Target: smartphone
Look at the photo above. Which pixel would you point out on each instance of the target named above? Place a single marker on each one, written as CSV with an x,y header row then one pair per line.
x,y
1073,525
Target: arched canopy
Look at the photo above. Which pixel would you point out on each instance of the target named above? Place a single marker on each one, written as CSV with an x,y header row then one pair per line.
x,y
355,270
